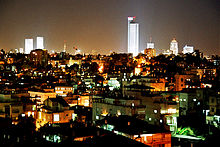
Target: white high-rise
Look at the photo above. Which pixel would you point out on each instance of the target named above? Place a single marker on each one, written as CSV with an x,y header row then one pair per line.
x,y
188,49
40,42
133,36
174,47
29,45
150,45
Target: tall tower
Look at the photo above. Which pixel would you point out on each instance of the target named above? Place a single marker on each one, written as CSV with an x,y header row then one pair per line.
x,y
174,47
40,42
64,46
29,45
133,36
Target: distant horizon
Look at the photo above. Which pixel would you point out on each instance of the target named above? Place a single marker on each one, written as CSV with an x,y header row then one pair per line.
x,y
101,26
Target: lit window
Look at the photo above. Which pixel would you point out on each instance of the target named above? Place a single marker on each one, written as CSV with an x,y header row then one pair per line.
x,y
162,111
171,110
56,117
29,113
118,112
74,116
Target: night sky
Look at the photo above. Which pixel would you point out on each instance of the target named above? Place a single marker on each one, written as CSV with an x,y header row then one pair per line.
x,y
101,25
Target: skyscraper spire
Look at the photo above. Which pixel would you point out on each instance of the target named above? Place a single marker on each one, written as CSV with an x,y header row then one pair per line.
x,y
64,46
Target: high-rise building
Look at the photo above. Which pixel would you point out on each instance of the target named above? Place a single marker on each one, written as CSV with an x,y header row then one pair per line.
x,y
21,50
150,44
174,47
40,42
39,57
29,45
188,49
133,36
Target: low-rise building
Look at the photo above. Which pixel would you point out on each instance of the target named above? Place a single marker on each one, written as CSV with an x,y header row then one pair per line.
x,y
55,110
137,130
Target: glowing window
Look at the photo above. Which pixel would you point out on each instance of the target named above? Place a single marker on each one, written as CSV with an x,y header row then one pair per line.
x,y
29,114
74,116
118,112
171,110
56,117
162,111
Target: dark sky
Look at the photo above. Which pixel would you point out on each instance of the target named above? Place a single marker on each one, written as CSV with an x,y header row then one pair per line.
x,y
101,25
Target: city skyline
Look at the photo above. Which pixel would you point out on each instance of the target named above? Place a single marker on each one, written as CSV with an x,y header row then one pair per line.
x,y
109,72
103,30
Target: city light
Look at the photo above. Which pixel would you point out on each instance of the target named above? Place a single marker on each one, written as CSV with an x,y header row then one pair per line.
x,y
103,80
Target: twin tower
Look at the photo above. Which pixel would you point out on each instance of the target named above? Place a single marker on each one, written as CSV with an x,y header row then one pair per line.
x,y
29,44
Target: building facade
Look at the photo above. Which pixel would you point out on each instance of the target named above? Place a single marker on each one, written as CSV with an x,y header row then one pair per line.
x,y
174,47
133,36
188,49
29,45
40,42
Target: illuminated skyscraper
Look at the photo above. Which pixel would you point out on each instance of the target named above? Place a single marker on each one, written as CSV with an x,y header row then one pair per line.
x,y
29,45
133,36
174,47
188,49
40,42
150,44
